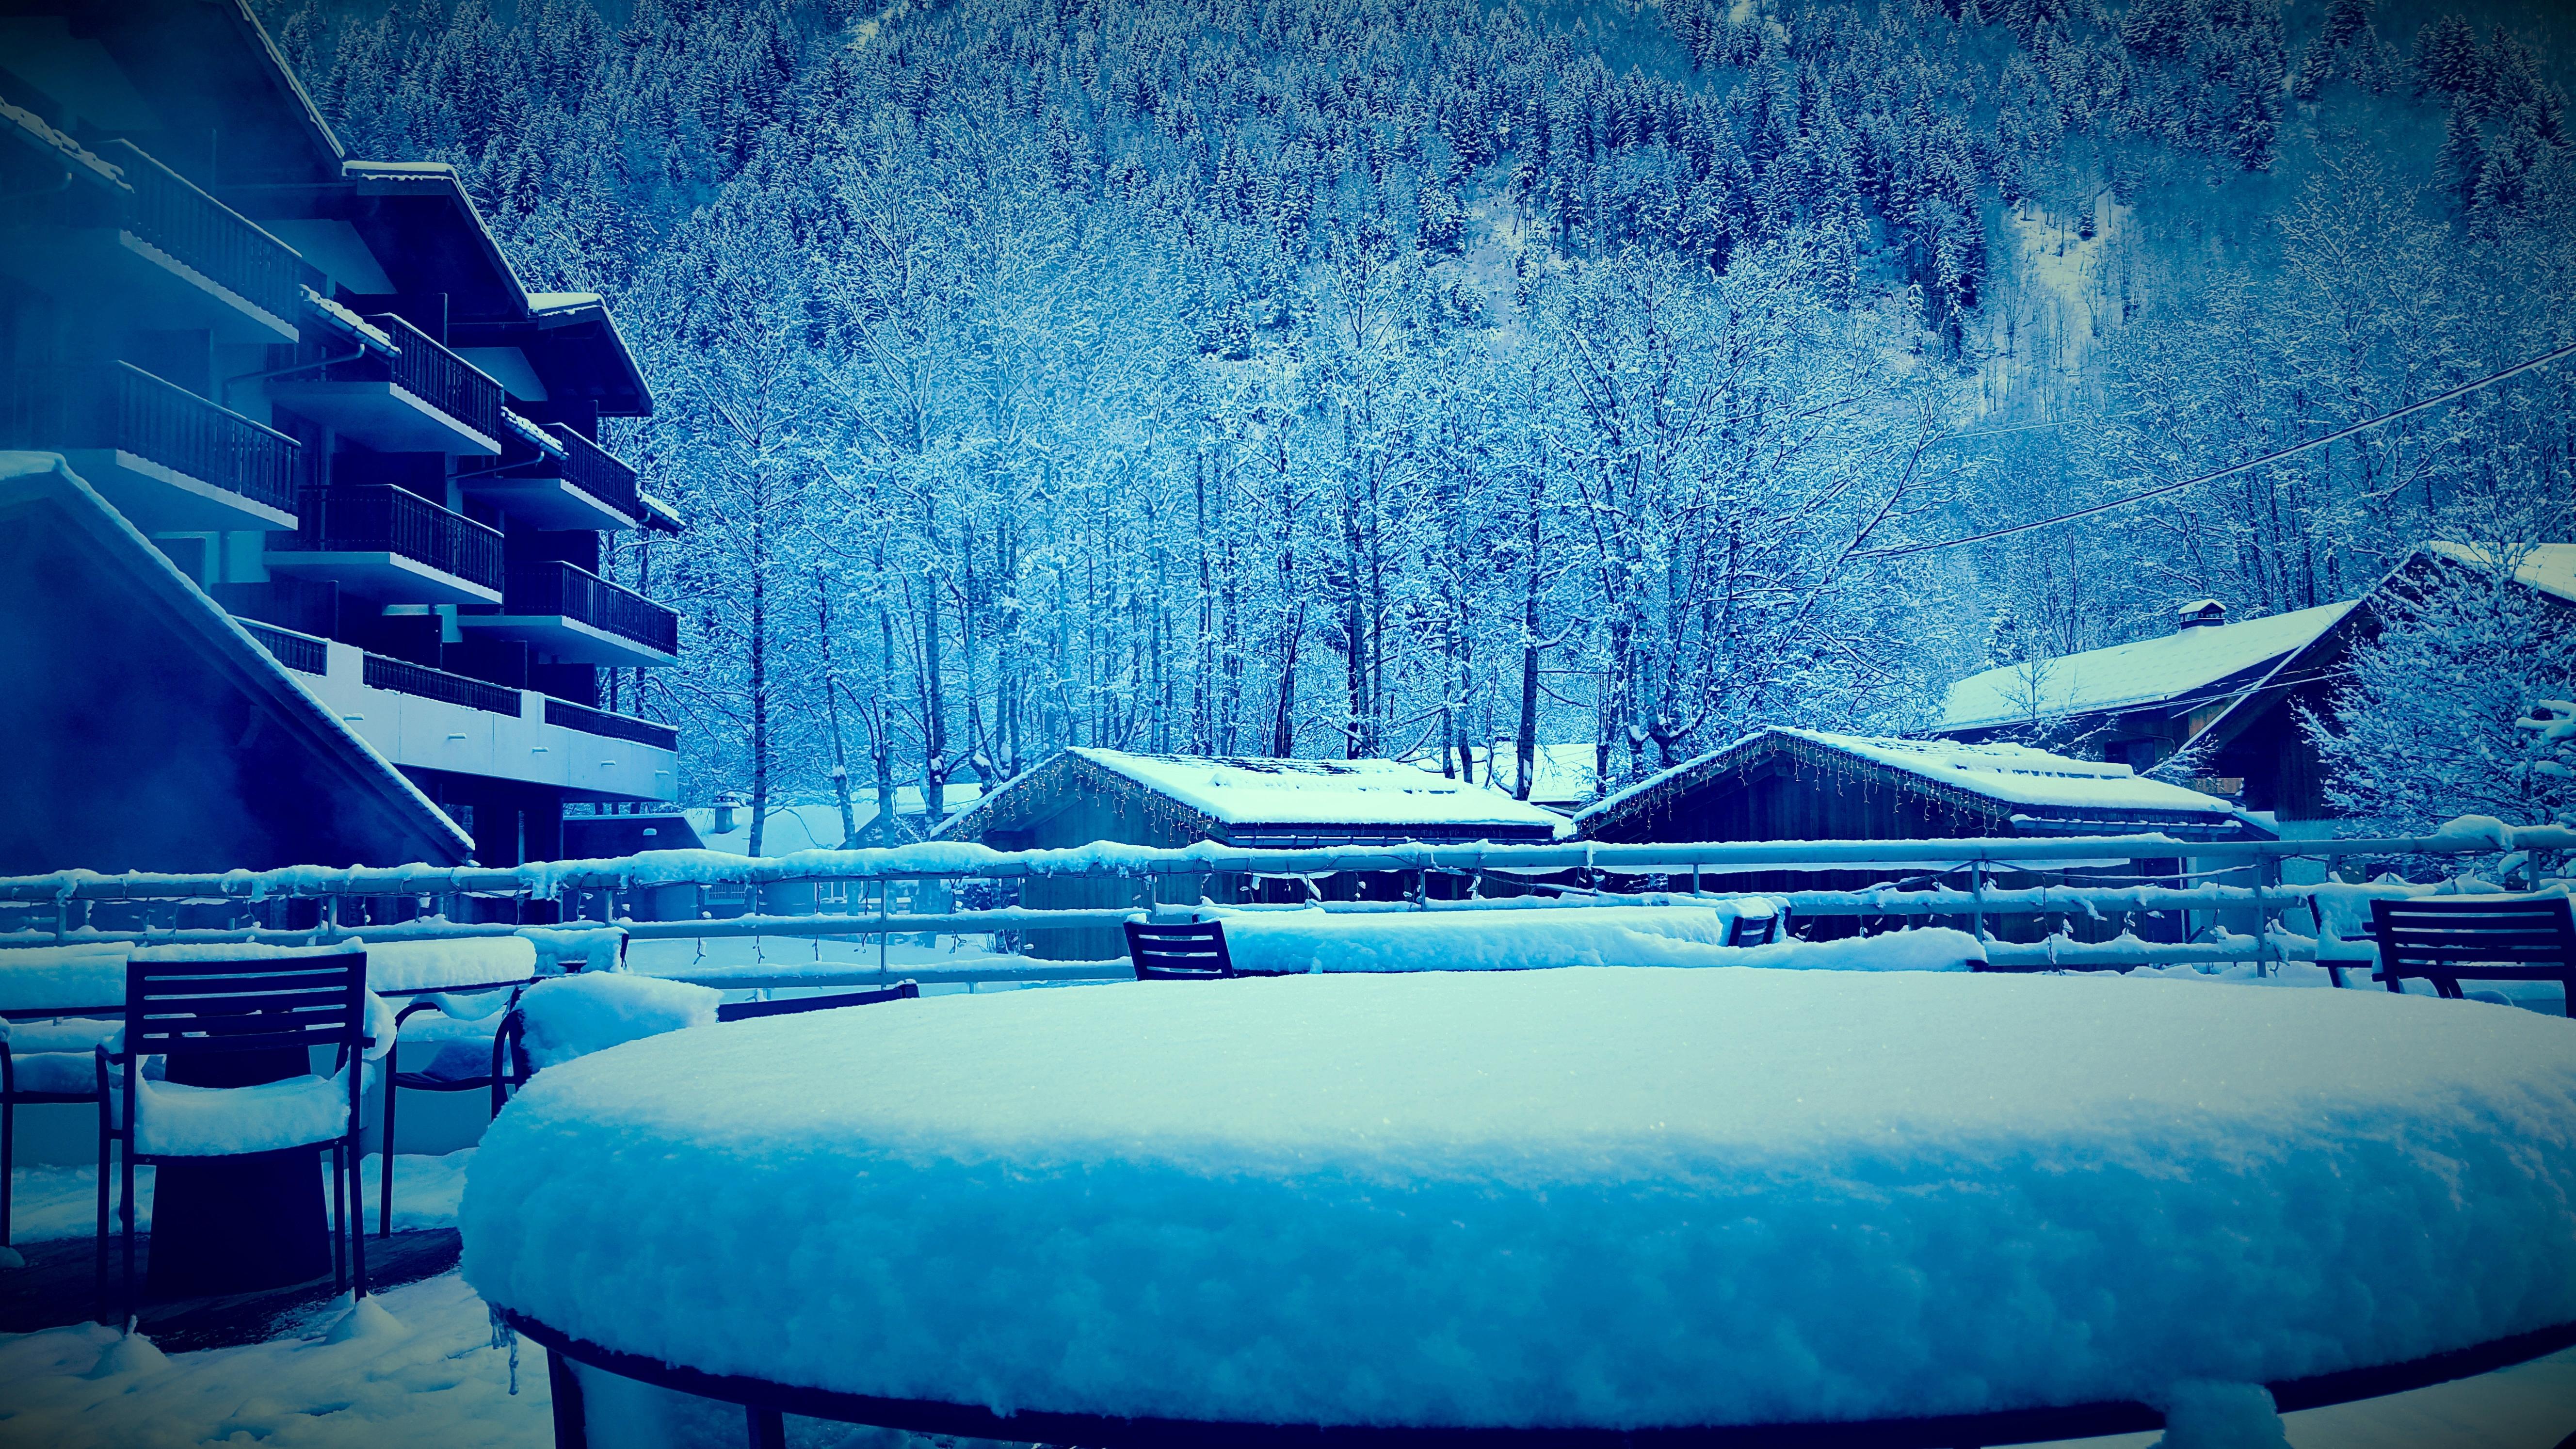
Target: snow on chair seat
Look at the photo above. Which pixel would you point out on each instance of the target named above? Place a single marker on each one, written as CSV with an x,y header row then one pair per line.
x,y
173,1120
573,1016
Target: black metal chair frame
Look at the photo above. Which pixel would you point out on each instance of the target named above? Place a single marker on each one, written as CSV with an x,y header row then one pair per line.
x,y
766,1404
1180,951
11,1099
2451,939
245,1004
747,1010
397,1081
1752,930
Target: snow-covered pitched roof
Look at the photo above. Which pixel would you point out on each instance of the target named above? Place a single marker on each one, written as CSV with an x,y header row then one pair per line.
x,y
2548,567
1247,797
2020,775
2016,779
1565,772
2149,671
1319,792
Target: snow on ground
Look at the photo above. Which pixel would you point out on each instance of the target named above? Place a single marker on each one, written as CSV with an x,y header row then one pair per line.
x,y
432,1379
1550,1197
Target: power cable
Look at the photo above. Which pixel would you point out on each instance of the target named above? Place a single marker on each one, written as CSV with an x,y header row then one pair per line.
x,y
2454,394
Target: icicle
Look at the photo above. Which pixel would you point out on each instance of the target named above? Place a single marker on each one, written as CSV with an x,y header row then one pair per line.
x,y
504,1336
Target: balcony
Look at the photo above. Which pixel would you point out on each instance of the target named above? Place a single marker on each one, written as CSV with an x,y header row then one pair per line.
x,y
419,680
152,246
566,483
393,546
578,617
565,714
168,459
421,398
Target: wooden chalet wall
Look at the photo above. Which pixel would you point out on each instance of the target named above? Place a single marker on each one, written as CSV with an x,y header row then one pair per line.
x,y
1072,803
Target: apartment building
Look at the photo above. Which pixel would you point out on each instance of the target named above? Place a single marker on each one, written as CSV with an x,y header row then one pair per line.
x,y
317,386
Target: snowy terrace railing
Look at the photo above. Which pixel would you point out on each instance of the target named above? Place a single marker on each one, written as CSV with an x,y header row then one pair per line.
x,y
424,902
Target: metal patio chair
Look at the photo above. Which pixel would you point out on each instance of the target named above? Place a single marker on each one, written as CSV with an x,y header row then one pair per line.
x,y
200,1008
2453,939
1184,951
465,1064
44,1063
1753,930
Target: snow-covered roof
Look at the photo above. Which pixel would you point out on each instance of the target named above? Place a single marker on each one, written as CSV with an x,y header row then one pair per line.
x,y
2147,672
1240,791
2548,567
2016,778
357,328
1260,797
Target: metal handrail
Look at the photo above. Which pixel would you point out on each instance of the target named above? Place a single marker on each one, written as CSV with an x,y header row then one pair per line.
x,y
596,471
564,714
121,406
429,371
547,586
172,213
419,680
380,518
959,860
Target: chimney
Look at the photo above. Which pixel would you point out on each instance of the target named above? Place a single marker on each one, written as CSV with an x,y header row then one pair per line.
x,y
2199,614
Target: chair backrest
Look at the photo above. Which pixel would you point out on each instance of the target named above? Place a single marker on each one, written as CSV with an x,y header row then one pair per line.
x,y
1185,951
740,1010
245,1004
2480,938
1751,930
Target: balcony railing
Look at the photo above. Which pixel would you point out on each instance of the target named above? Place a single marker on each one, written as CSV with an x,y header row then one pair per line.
x,y
296,651
596,471
560,589
571,716
377,518
123,407
219,243
431,373
404,677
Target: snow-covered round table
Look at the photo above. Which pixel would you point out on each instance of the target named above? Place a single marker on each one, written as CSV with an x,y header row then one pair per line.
x,y
1552,1205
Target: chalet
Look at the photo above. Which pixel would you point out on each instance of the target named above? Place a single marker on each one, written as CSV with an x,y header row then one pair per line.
x,y
1079,796
2231,693
314,383
1785,784
2136,703
1789,784
2254,745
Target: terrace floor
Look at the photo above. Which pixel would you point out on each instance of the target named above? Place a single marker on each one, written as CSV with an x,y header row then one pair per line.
x,y
58,1288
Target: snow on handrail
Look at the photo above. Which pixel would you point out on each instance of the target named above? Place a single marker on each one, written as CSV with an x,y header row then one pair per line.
x,y
951,860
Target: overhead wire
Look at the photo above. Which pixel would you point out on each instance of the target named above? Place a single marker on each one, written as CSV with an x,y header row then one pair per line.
x,y
2451,395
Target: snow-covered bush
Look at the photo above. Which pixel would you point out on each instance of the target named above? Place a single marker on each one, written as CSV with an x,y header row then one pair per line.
x,y
2456,708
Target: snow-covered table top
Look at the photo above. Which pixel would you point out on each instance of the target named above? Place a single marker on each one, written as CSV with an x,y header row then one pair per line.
x,y
1586,1197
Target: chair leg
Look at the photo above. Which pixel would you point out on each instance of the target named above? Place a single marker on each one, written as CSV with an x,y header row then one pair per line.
x,y
8,1161
125,1212
385,1149
98,1301
572,1426
768,1427
339,1220
358,1228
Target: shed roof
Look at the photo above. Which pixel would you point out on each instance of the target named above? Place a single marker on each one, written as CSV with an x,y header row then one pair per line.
x,y
2161,670
1254,801
2033,790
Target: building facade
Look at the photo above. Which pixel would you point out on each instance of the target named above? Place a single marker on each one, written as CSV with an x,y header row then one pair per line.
x,y
317,386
